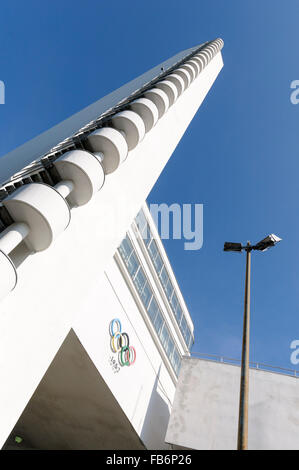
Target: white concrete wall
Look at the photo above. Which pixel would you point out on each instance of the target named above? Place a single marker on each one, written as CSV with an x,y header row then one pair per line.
x,y
53,285
144,390
205,409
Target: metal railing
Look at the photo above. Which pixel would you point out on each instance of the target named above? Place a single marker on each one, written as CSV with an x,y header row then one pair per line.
x,y
252,365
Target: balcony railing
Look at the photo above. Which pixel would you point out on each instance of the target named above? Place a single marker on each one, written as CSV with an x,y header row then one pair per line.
x,y
252,365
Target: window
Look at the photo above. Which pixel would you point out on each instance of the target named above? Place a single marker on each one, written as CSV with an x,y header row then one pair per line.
x,y
146,294
169,290
153,309
174,302
146,235
176,361
126,248
132,264
178,314
158,263
158,322
161,271
183,325
153,250
164,277
164,336
188,337
170,349
140,280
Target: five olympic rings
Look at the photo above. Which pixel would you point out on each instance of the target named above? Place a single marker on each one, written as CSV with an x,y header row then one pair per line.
x,y
120,343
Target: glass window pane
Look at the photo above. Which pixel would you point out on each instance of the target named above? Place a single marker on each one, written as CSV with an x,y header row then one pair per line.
x,y
158,322
187,336
153,250
176,361
174,302
164,336
158,263
140,280
169,348
133,264
146,235
127,252
126,248
183,325
153,309
178,313
169,289
164,277
146,294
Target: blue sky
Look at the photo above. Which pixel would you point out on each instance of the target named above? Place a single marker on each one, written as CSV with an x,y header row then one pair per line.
x,y
242,147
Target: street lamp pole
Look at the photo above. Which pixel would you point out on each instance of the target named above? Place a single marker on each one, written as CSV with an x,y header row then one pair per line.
x,y
244,382
263,245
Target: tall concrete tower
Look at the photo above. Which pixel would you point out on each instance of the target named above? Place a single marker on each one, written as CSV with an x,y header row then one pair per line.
x,y
67,199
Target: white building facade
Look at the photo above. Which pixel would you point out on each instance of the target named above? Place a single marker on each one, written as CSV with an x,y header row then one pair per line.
x,y
134,327
92,324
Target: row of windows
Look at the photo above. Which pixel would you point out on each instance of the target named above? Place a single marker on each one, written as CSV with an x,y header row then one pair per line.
x,y
163,276
145,292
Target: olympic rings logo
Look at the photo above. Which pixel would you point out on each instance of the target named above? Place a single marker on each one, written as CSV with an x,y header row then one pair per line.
x,y
120,343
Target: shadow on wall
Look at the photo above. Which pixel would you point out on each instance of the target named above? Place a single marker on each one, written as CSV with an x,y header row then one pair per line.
x,y
156,419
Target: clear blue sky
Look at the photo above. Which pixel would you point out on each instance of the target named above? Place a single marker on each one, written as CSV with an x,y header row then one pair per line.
x,y
242,148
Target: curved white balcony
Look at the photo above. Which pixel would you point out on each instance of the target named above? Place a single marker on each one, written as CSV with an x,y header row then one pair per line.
x,y
147,110
177,81
203,58
131,124
42,209
185,75
213,49
200,60
86,173
205,55
219,42
189,69
194,65
170,90
8,275
159,98
112,144
208,50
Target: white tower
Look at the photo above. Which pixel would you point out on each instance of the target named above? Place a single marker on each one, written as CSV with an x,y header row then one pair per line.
x,y
67,199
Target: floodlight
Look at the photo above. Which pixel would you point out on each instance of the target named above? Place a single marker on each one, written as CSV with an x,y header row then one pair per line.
x,y
267,242
230,246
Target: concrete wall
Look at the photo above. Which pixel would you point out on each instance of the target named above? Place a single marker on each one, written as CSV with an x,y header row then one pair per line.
x,y
73,408
53,285
144,390
81,400
205,410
